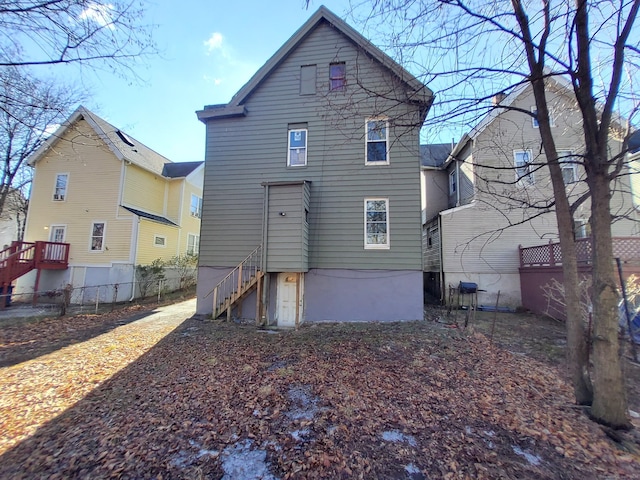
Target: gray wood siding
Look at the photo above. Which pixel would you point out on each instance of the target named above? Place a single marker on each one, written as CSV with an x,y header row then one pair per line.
x,y
286,234
243,152
432,259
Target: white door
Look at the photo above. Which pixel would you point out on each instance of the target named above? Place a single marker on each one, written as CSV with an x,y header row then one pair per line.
x,y
57,233
288,292
55,252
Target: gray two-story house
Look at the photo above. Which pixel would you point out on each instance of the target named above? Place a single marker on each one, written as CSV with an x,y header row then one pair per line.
x,y
312,186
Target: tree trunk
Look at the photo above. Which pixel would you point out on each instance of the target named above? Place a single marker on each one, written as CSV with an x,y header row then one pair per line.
x,y
609,395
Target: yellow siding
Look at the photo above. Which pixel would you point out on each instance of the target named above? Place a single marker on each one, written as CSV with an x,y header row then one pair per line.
x,y
190,224
174,200
92,195
147,250
144,190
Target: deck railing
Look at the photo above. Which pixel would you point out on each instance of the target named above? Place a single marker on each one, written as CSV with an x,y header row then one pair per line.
x,y
550,255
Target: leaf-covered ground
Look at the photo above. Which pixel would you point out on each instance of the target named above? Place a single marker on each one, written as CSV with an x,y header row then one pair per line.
x,y
214,400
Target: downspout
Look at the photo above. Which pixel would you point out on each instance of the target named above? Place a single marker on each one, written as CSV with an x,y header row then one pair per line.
x,y
457,183
265,230
442,289
134,251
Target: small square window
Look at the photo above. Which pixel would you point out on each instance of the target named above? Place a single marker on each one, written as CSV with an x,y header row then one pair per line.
x,y
337,77
297,155
159,241
534,118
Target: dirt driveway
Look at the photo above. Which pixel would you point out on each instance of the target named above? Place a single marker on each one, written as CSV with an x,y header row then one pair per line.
x,y
214,400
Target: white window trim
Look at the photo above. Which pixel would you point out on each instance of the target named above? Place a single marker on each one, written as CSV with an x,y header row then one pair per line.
x,y
104,236
366,140
196,243
306,146
164,241
528,179
66,188
453,182
565,159
198,212
534,120
377,246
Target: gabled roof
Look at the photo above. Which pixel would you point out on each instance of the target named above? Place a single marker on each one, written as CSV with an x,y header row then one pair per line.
x,y
434,154
421,94
150,216
178,170
122,145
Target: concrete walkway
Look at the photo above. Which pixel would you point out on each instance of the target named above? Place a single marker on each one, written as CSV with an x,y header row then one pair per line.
x,y
36,391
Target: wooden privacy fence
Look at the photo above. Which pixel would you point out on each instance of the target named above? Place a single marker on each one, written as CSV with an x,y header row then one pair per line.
x,y
541,265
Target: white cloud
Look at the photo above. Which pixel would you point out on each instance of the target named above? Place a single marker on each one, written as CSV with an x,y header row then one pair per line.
x,y
215,80
100,14
215,42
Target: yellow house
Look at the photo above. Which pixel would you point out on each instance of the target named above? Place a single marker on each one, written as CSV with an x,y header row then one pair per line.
x,y
115,201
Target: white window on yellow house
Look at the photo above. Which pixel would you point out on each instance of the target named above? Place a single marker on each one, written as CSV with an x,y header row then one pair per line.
x,y
97,236
60,191
159,241
193,244
196,206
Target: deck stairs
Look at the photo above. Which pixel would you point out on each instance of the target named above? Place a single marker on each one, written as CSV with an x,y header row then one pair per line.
x,y
239,283
21,257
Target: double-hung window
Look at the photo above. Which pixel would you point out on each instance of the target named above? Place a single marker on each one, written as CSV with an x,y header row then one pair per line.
x,y
568,165
60,191
193,244
337,77
297,156
377,141
196,206
524,170
97,236
376,223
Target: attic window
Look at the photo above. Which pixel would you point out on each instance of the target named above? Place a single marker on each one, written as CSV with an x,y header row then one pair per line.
x,y
337,77
125,138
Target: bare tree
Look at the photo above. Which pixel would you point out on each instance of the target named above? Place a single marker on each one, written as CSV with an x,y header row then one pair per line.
x,y
51,32
470,50
24,124
35,34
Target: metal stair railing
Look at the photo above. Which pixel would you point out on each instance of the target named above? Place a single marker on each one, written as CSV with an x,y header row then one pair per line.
x,y
237,282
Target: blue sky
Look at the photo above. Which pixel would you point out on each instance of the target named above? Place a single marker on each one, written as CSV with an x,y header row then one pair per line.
x,y
206,57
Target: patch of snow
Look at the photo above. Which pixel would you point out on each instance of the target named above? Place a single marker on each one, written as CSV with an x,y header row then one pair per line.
x,y
411,469
305,403
468,430
181,459
532,459
489,433
299,435
396,436
490,445
634,414
241,462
